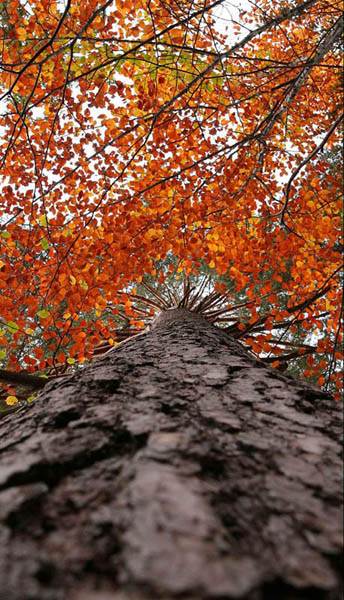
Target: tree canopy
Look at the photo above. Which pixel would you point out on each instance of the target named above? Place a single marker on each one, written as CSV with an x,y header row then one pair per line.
x,y
136,131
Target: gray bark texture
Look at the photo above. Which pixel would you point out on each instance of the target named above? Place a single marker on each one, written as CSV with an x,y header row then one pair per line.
x,y
175,467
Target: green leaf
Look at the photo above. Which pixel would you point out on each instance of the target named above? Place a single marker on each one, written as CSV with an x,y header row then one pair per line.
x,y
2,353
45,244
12,326
5,235
43,314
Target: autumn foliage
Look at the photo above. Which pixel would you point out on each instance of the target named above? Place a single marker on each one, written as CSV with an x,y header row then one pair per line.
x,y
133,130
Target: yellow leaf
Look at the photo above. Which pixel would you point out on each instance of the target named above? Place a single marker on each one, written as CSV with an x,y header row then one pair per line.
x,y
12,400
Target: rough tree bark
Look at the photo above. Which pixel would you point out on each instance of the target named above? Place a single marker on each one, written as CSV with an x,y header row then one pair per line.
x,y
175,467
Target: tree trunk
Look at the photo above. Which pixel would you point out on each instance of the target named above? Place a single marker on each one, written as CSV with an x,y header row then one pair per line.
x,y
177,466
